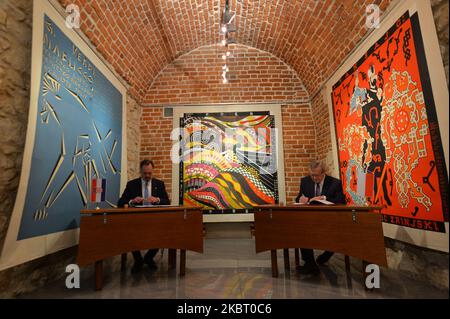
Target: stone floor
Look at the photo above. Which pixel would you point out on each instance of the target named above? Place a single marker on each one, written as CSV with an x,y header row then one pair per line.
x,y
230,268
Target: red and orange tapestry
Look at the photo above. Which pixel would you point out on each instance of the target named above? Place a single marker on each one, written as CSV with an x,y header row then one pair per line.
x,y
388,139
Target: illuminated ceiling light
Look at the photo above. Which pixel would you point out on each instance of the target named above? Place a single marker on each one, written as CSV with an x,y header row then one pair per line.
x,y
225,80
224,77
225,29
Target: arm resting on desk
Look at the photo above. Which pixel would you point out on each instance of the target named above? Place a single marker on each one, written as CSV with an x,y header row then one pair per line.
x,y
300,192
126,197
162,194
335,194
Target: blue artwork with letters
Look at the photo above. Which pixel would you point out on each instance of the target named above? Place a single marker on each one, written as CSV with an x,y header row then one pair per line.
x,y
78,137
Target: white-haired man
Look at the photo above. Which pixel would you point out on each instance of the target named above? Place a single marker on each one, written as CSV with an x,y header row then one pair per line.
x,y
318,185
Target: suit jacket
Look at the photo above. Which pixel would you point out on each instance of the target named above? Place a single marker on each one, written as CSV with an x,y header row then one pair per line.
x,y
134,189
332,189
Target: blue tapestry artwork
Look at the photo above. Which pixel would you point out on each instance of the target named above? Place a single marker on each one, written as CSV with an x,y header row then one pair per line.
x,y
78,137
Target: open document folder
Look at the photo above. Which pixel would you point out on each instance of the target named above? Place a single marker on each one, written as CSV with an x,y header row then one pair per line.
x,y
316,202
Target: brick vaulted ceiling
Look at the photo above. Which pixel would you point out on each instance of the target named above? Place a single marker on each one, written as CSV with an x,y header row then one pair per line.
x,y
140,37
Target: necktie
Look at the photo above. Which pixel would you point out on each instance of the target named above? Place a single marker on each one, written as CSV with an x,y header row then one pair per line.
x,y
146,190
317,189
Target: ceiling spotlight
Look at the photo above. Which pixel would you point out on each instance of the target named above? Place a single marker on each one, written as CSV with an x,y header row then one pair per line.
x,y
225,28
224,76
231,19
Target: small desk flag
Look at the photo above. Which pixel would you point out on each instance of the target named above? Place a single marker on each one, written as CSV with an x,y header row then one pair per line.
x,y
98,190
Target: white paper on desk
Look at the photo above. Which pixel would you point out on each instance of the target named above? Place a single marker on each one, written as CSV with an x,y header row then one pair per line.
x,y
322,201
150,205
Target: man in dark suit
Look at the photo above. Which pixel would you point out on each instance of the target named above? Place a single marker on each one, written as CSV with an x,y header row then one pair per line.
x,y
318,186
144,190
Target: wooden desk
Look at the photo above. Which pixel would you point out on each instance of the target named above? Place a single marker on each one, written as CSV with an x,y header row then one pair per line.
x,y
109,232
351,230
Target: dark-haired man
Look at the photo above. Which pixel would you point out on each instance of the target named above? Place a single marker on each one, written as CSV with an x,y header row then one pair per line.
x,y
144,190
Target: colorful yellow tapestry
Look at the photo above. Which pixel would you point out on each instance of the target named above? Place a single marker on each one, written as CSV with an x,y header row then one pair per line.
x,y
228,161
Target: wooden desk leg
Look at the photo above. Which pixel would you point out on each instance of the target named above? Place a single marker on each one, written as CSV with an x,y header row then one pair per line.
x,y
297,257
287,265
273,257
347,263
172,255
99,275
123,262
182,262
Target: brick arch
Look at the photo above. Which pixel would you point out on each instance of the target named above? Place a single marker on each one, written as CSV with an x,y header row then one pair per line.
x,y
256,76
140,37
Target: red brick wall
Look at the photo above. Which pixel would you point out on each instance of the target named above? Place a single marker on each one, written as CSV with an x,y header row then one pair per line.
x,y
156,143
299,145
321,118
260,77
197,78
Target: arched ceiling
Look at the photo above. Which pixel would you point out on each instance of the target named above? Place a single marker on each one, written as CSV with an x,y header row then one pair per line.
x,y
140,37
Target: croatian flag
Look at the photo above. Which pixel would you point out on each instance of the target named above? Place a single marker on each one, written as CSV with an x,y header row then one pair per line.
x,y
98,190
